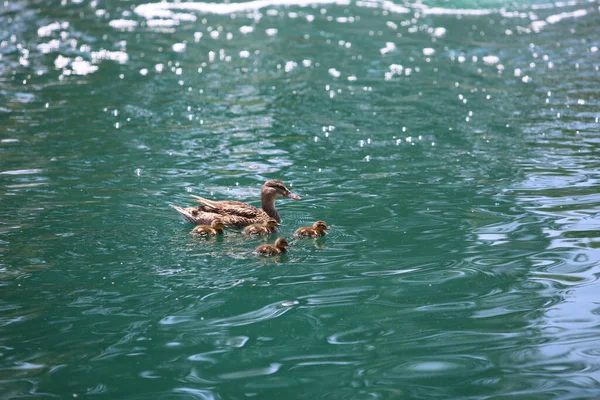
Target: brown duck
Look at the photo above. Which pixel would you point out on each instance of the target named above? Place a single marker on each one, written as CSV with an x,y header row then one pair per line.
x,y
279,247
236,213
318,229
215,228
264,228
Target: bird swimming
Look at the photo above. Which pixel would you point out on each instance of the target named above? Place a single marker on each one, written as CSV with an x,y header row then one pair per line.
x,y
264,228
216,227
236,213
279,247
316,230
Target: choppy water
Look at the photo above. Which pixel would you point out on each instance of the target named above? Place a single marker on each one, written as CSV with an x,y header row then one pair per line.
x,y
453,147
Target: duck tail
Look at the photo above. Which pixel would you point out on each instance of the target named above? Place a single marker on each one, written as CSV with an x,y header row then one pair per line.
x,y
205,202
187,215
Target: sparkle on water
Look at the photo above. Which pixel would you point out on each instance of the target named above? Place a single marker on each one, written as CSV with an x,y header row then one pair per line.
x,y
452,147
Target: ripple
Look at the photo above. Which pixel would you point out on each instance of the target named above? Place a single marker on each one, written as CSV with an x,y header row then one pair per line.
x,y
266,313
389,272
196,393
21,172
271,369
452,148
356,336
173,320
205,357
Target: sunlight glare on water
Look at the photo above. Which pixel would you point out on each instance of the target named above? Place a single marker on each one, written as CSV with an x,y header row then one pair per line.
x,y
451,146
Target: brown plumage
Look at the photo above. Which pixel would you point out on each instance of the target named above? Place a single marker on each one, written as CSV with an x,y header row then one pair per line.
x,y
318,229
264,228
273,249
236,213
215,228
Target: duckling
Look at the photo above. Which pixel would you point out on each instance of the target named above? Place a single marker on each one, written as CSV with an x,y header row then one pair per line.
x,y
264,228
318,229
273,250
215,228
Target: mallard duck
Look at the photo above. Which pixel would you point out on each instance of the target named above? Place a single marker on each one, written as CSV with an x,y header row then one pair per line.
x,y
273,249
236,213
216,227
318,229
263,228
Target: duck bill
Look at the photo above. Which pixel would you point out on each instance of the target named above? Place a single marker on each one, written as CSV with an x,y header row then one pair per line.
x,y
293,196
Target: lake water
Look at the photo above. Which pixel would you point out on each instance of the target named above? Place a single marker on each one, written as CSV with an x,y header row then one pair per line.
x,y
453,147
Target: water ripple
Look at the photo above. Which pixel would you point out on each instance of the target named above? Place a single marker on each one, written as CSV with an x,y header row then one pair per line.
x,y
452,148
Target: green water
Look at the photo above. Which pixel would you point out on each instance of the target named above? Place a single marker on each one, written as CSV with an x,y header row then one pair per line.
x,y
453,147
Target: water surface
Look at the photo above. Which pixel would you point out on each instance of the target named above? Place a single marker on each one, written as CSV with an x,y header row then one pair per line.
x,y
452,146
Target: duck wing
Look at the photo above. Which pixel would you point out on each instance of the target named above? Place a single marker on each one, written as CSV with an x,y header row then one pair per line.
x,y
228,208
196,215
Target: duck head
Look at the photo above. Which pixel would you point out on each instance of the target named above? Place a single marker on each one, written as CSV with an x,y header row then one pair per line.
x,y
281,243
271,223
275,188
320,226
217,224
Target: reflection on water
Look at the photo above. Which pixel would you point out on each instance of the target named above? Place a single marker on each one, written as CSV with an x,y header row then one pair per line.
x,y
451,146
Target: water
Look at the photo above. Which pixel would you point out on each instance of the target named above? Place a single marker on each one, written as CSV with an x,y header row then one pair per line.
x,y
452,146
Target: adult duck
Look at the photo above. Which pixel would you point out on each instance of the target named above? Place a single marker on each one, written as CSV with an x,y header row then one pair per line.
x,y
237,213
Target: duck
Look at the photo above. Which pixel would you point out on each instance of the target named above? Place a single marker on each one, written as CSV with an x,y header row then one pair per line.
x,y
279,247
215,228
264,228
236,213
316,230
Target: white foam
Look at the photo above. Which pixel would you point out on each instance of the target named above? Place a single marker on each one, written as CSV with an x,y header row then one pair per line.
x,y
150,10
439,32
558,4
51,46
391,25
559,17
394,8
389,46
178,47
334,72
82,67
119,56
162,23
454,11
537,26
395,69
491,60
125,24
290,66
48,29
61,61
